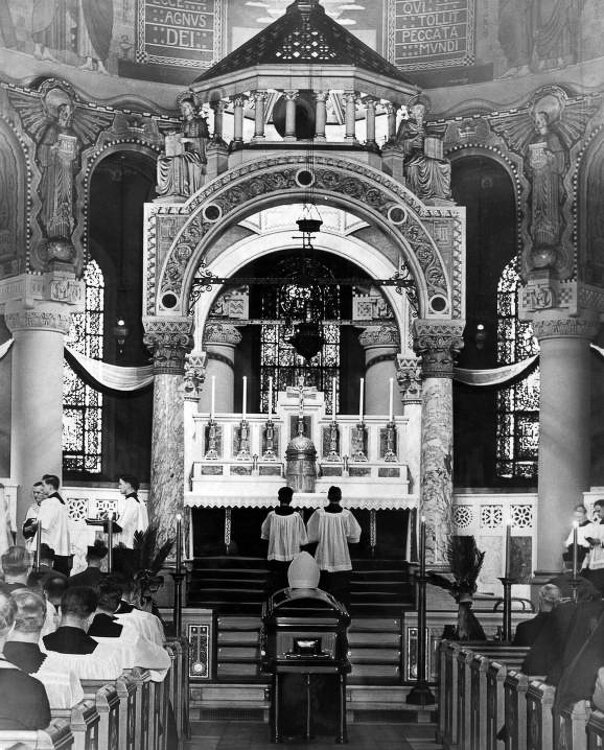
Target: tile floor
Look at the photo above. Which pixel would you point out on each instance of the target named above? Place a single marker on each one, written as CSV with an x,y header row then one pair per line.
x,y
255,736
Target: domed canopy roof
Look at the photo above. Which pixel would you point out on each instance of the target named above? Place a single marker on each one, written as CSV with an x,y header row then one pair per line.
x,y
305,37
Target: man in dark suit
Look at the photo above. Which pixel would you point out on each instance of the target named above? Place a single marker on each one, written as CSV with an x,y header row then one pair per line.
x,y
22,648
528,630
93,575
78,604
104,624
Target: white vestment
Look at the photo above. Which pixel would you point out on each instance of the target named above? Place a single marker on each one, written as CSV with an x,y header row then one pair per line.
x,y
54,521
285,535
333,532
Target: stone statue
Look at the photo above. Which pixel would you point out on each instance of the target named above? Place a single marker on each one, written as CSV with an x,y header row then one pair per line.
x,y
547,161
181,167
427,173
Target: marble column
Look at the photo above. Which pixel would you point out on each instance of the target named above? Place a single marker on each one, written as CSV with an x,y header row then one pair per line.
x,y
350,100
320,114
381,344
219,341
370,115
437,342
169,339
259,99
564,427
238,103
290,115
408,373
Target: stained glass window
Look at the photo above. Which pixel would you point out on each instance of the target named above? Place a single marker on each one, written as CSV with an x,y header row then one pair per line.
x,y
279,359
517,404
83,405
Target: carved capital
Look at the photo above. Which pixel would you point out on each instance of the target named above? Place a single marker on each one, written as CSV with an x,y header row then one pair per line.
x,y
559,327
195,375
438,344
291,96
169,339
378,336
409,379
45,317
259,97
321,96
222,334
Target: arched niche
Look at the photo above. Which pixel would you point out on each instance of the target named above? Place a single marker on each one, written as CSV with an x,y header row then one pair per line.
x,y
13,201
485,186
590,266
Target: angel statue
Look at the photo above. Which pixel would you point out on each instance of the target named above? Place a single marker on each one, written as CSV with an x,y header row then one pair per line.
x,y
427,173
181,167
543,134
61,127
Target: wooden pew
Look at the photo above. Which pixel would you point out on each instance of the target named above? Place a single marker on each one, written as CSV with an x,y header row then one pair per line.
x,y
56,736
84,722
464,657
178,649
570,726
496,674
141,678
539,716
478,702
446,732
515,687
595,730
127,693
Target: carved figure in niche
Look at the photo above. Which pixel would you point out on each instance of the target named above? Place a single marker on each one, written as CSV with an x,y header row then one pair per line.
x,y
547,160
181,167
514,34
61,127
428,175
556,27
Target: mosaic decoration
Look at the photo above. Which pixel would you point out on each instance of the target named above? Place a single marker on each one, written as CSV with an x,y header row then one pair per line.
x,y
83,405
517,404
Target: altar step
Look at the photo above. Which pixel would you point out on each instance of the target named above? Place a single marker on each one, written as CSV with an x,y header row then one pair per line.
x,y
237,586
375,646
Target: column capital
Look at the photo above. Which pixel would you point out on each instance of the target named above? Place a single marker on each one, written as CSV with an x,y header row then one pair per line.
x,y
291,95
221,334
169,339
218,106
195,374
45,316
259,96
239,100
379,336
58,286
409,379
370,102
438,343
321,96
548,326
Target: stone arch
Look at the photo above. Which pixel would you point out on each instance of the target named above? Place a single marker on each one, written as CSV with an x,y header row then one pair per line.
x,y
429,239
588,215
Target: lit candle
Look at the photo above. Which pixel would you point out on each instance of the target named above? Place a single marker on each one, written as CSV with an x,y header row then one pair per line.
x,y
575,549
422,546
333,399
361,395
38,543
508,549
213,397
391,402
178,542
270,399
110,543
244,409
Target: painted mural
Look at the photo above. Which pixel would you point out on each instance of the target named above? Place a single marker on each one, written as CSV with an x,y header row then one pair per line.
x,y
445,42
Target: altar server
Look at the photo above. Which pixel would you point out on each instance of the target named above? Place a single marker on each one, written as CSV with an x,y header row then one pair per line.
x,y
53,520
285,532
132,512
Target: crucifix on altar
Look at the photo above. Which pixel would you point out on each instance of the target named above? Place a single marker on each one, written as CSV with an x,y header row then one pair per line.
x,y
301,391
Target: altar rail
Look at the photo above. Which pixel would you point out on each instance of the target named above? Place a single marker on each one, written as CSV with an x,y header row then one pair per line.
x,y
482,691
129,713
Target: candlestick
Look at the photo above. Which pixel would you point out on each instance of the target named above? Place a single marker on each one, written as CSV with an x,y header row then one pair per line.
x,y
333,399
575,549
38,543
508,549
422,546
110,543
178,542
391,403
270,399
361,395
244,408
213,397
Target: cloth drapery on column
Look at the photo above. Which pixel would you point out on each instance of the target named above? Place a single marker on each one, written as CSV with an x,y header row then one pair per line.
x,y
495,376
116,377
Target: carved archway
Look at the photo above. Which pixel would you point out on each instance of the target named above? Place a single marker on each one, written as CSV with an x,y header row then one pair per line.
x,y
429,239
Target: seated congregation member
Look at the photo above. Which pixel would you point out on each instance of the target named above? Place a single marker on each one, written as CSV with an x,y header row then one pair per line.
x,y
93,575
16,565
334,528
47,560
146,623
528,630
54,587
53,523
285,532
104,623
78,605
24,704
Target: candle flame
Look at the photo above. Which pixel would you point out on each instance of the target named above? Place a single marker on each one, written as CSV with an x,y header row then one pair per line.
x,y
178,517
423,519
575,524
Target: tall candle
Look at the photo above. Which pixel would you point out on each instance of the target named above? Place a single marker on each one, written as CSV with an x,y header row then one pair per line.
x,y
270,398
178,542
575,549
391,402
38,543
333,399
508,549
244,408
422,546
213,397
361,395
110,543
